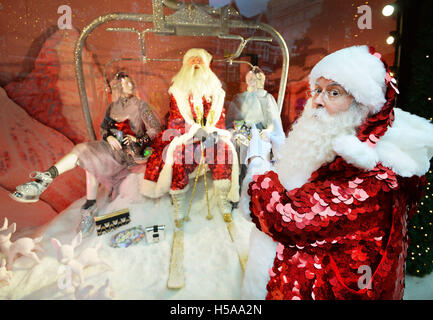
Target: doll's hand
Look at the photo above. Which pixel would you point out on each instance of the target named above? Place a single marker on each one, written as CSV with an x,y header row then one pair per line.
x,y
258,147
201,134
265,134
114,143
128,139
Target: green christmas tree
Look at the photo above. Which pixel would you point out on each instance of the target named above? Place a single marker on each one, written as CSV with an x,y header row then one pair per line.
x,y
416,97
420,252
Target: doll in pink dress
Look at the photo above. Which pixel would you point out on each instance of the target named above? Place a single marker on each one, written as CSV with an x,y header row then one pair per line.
x,y
127,130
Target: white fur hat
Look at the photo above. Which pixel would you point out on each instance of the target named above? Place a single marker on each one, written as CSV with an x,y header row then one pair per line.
x,y
197,52
358,72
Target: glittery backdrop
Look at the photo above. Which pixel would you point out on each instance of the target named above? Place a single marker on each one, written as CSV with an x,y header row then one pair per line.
x,y
37,73
311,29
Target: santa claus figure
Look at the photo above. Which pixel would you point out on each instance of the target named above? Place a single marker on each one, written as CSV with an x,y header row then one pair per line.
x,y
331,214
196,123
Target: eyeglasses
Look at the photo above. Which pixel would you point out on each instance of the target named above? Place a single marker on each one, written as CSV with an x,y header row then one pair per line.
x,y
330,94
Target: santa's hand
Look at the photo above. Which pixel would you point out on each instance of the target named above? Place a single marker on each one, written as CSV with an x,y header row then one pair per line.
x,y
277,137
128,139
114,143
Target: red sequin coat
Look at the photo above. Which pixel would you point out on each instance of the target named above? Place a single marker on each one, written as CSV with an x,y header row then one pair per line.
x,y
343,234
336,230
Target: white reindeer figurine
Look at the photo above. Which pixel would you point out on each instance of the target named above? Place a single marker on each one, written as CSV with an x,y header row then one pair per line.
x,y
103,293
5,275
23,246
89,257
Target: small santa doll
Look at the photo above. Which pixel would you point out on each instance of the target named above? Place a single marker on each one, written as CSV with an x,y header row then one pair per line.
x,y
196,123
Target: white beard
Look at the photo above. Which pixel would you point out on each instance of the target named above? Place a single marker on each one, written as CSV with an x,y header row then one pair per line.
x,y
201,82
309,143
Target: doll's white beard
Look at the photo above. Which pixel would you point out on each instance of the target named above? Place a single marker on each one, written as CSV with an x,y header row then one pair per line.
x,y
309,143
198,82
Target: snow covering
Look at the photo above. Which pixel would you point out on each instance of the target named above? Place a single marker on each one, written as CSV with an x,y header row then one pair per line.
x,y
212,269
211,264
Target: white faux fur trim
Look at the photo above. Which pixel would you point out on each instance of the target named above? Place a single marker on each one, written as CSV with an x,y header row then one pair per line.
x,y
179,191
157,189
260,259
182,100
222,183
355,152
359,72
406,147
148,188
257,166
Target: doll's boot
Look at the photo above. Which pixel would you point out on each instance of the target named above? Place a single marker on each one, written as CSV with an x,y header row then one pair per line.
x,y
222,188
30,191
179,203
87,222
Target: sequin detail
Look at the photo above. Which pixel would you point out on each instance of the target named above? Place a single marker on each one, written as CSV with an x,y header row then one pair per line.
x,y
341,220
127,237
185,161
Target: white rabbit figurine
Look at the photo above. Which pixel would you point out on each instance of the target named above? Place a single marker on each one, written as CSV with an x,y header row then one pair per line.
x,y
89,257
103,293
65,256
5,275
22,246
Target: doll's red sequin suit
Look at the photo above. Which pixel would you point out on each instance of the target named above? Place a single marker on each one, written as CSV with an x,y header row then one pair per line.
x,y
181,167
340,225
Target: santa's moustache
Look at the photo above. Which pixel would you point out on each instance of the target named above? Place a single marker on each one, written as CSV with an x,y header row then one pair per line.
x,y
198,80
308,145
